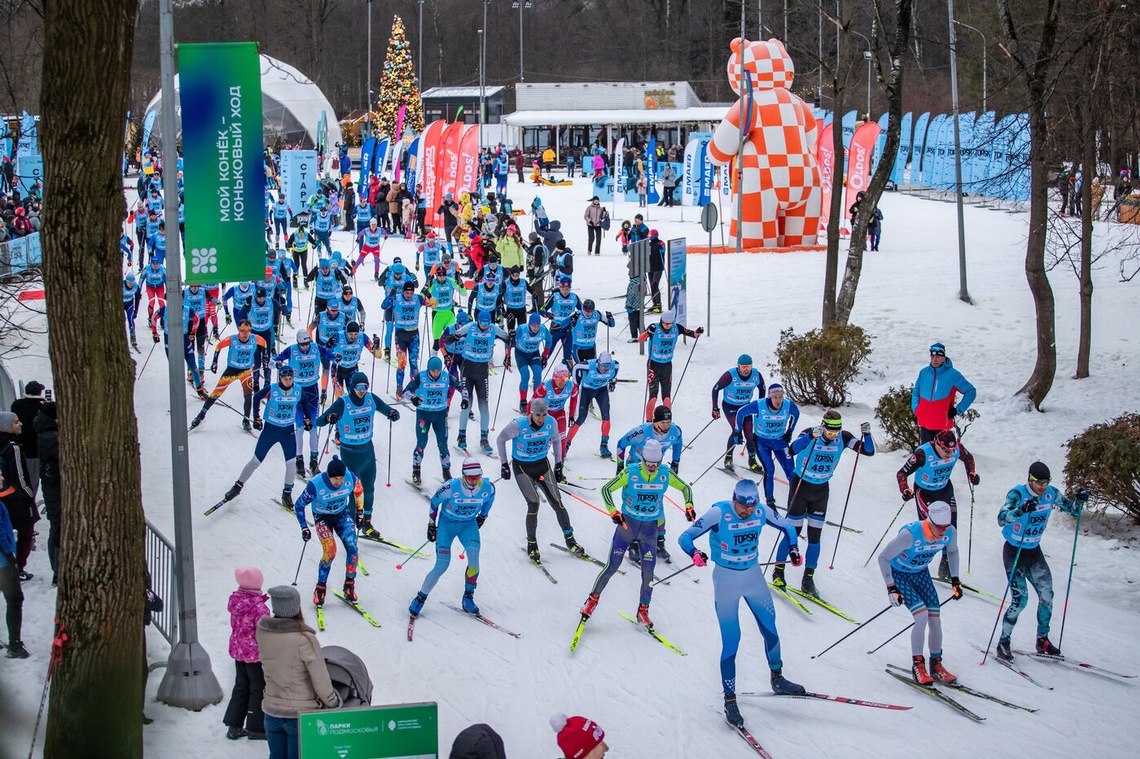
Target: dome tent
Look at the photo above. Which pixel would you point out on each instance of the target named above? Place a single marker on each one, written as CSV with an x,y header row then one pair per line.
x,y
291,105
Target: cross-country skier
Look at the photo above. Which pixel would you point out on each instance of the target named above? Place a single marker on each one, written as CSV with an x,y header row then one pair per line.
x,y
1023,519
305,358
261,321
818,450
189,325
532,343
460,505
371,241
405,308
667,435
557,392
239,366
330,327
132,296
392,279
904,563
934,399
595,379
298,244
478,339
735,389
643,487
515,290
931,464
560,307
336,497
430,392
766,427
276,429
196,297
347,357
734,543
532,437
430,250
662,342
353,415
584,331
241,295
351,307
329,283
154,277
441,294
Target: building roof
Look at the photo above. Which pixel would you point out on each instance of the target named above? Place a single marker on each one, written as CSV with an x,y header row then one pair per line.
x,y
575,96
616,116
459,92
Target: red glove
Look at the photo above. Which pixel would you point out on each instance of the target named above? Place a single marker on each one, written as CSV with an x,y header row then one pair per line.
x,y
700,558
794,557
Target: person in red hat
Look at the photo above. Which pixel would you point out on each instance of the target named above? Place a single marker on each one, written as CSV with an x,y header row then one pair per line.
x,y
579,737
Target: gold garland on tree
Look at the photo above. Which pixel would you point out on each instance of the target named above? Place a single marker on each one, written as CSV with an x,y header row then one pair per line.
x,y
398,85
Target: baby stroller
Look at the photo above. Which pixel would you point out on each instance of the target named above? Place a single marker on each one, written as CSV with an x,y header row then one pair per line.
x,y
349,676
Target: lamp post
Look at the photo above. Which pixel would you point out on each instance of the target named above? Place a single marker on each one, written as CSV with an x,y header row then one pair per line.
x,y
866,57
519,5
963,292
979,31
420,64
368,75
482,93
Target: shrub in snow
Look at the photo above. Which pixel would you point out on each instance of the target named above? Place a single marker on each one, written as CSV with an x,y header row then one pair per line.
x,y
897,419
817,367
1105,461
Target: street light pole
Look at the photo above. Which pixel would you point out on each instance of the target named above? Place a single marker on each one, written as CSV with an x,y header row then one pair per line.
x,y
368,83
963,292
867,56
979,31
420,65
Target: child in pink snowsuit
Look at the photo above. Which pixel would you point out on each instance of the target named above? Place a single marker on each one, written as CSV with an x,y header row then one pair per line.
x,y
247,605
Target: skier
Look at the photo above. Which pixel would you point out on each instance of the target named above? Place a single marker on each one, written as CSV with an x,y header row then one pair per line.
x,y
667,435
154,277
596,378
559,308
351,306
735,389
189,325
430,250
440,293
461,505
430,392
330,326
642,494
333,495
195,296
260,315
322,228
584,330
393,279
478,351
329,282
767,426
298,244
305,358
347,357
486,296
532,343
532,437
353,415
662,342
934,399
737,575
239,366
903,563
371,241
132,296
557,391
281,215
515,290
280,413
241,295
818,450
931,464
1023,519
405,310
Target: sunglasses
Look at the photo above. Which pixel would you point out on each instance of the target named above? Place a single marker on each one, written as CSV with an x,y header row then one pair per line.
x,y
1044,480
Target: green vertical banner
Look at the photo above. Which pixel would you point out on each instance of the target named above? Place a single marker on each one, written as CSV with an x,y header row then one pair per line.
x,y
224,186
397,731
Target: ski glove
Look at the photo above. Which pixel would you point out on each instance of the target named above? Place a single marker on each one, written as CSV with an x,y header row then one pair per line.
x,y
865,429
716,413
613,385
738,438
229,320
394,415
505,470
817,431
306,534
907,494
479,520
331,341
690,512
308,424
558,475
617,519
951,412
675,466
700,331
973,478
894,595
956,584
465,404
431,531
544,360
359,518
700,558
620,465
258,424
333,418
416,400
795,557
214,366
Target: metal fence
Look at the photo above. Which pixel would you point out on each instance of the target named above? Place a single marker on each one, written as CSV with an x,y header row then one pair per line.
x,y
160,565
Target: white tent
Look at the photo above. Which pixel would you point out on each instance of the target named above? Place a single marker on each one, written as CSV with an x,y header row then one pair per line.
x,y
291,105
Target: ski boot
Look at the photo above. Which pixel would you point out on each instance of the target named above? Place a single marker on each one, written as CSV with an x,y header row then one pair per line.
x,y
635,552
301,467
387,354
643,615
350,590
728,459
485,445
417,604
416,480
446,473
287,498
469,603
201,391
532,551
1045,647
245,425
604,449
782,686
235,491
319,594
732,711
1003,651
944,568
754,464
367,529
324,396
940,673
661,552
197,420
461,441
590,605
808,584
134,343
778,576
314,467
216,337
918,671
572,544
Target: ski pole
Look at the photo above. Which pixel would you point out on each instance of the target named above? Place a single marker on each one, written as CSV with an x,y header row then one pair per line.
x,y
388,361
677,390
147,361
857,629
710,466
1001,608
669,577
796,492
304,545
410,555
843,518
900,632
389,453
690,444
325,449
500,398
970,543
884,537
1069,584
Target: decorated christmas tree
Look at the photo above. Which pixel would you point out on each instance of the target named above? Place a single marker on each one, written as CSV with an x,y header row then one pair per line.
x,y
398,85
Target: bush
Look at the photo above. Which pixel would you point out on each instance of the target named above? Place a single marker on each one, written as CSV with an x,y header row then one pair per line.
x,y
1105,461
817,367
899,425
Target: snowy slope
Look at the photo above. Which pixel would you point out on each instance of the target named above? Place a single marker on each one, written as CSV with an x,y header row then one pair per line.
x,y
650,701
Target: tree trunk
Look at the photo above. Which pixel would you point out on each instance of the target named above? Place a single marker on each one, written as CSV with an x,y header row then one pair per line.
x,y
835,220
97,687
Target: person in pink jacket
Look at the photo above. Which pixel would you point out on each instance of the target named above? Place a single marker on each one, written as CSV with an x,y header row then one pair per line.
x,y
247,605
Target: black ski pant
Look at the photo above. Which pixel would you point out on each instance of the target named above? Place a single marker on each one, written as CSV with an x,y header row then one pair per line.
x,y
530,476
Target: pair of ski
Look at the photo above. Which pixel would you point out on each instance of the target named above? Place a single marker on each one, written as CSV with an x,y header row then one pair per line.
x,y
583,556
736,475
479,617
354,604
1064,661
786,591
903,675
648,628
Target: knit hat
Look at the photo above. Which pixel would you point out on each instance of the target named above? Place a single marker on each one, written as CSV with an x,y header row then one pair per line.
x,y
775,386
651,452
947,439
352,327
539,406
303,337
435,364
6,419
668,317
472,468
744,360
1037,470
478,742
249,578
285,600
534,319
577,736
662,414
938,349
336,468
939,513
33,390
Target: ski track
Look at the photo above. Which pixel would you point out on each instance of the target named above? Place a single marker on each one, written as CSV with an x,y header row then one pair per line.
x,y
907,300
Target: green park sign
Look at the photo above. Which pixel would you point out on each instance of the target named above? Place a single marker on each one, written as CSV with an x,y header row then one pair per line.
x,y
396,731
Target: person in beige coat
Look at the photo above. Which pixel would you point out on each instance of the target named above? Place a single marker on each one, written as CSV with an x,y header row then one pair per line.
x,y
296,678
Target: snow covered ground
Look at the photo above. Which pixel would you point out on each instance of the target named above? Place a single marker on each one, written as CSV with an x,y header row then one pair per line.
x,y
650,701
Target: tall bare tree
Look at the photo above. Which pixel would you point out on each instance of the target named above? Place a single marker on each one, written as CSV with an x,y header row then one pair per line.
x,y
96,695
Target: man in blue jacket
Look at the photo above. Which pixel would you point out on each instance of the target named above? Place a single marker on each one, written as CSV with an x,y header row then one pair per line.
x,y
940,394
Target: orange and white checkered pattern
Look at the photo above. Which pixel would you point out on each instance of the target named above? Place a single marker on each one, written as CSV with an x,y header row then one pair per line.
x,y
780,178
